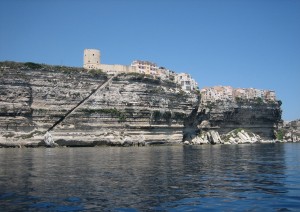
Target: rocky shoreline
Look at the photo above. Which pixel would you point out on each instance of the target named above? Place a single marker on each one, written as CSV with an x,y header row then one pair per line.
x,y
211,137
76,143
238,136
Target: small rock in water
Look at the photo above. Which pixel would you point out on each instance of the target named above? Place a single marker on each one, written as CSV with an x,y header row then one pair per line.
x,y
48,139
186,143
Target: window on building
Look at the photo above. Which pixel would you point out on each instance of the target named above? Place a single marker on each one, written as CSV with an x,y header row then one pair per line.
x,y
187,82
182,83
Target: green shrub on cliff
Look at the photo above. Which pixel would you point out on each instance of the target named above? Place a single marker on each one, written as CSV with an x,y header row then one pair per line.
x,y
32,65
179,116
156,115
280,134
167,116
259,100
96,72
122,117
132,74
10,64
112,111
239,100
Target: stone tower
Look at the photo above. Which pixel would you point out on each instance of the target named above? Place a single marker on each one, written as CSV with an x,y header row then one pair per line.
x,y
91,58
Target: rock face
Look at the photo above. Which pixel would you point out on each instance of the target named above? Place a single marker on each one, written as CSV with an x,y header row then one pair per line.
x,y
88,108
290,131
129,110
222,117
238,136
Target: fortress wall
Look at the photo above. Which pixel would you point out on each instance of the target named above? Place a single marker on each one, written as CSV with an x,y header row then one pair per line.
x,y
113,69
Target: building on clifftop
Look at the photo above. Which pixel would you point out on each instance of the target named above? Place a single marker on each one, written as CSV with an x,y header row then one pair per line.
x,y
186,82
227,93
92,60
145,67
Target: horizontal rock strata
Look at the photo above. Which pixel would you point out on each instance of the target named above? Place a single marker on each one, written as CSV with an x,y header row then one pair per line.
x,y
290,131
87,108
129,110
222,117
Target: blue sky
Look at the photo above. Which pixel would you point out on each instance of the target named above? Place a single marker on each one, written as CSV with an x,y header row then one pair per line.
x,y
242,43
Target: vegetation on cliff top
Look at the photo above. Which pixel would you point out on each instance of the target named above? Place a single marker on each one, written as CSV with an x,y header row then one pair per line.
x,y
44,67
257,101
139,77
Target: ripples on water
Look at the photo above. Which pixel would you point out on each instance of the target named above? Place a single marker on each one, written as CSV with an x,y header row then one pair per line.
x,y
159,178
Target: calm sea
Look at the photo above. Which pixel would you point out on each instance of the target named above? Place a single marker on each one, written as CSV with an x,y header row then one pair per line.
x,y
159,178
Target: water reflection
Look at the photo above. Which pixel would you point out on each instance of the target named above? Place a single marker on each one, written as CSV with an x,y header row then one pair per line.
x,y
152,178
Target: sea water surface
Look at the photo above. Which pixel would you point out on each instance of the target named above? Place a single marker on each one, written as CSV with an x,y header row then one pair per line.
x,y
158,178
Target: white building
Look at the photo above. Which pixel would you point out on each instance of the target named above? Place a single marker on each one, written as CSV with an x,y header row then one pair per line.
x,y
270,96
186,82
241,93
145,67
166,74
216,93
224,93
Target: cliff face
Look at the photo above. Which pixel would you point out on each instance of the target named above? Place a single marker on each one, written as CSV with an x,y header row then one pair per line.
x,y
131,109
290,131
261,118
128,109
88,108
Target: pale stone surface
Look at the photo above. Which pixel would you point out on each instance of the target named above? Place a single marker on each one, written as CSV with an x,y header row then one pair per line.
x,y
48,139
291,131
130,110
233,137
186,142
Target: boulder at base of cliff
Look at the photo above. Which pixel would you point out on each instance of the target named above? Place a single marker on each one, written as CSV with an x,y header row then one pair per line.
x,y
207,137
291,137
240,136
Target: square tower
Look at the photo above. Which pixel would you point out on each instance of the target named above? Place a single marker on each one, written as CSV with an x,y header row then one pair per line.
x,y
91,58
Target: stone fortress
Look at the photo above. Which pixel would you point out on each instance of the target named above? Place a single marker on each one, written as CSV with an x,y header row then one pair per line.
x,y
92,60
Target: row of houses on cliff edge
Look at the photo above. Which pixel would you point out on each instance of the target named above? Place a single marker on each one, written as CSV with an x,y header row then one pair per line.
x,y
227,93
92,60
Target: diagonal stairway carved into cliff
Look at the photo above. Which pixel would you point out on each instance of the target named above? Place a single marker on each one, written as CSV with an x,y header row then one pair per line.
x,y
80,103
